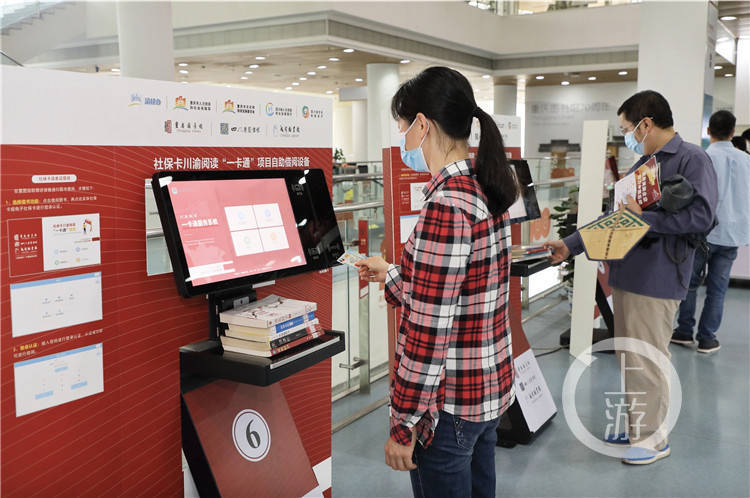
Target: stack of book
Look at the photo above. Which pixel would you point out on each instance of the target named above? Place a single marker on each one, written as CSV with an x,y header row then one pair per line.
x,y
270,326
526,253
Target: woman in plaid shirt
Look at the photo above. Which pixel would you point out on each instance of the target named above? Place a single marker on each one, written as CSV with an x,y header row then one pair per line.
x,y
453,374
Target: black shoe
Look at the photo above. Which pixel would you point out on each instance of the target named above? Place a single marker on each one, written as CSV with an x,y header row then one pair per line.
x,y
682,338
708,346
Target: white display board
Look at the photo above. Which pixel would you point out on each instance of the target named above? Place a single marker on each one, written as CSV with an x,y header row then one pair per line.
x,y
156,113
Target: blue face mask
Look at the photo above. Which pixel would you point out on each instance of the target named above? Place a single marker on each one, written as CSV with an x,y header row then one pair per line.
x,y
631,142
414,158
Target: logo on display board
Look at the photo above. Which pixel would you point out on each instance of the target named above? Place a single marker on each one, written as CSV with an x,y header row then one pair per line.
x,y
269,109
136,100
229,106
224,128
188,127
286,131
246,109
180,103
308,112
168,126
251,435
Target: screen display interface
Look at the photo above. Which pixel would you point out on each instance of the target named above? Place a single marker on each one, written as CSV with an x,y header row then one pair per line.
x,y
235,228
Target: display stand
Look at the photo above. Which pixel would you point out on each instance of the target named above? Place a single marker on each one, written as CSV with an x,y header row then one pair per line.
x,y
208,375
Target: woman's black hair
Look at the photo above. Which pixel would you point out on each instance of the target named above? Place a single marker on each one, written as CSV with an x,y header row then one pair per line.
x,y
445,96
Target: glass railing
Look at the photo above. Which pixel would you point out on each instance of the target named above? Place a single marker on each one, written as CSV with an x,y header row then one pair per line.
x,y
13,12
525,7
359,308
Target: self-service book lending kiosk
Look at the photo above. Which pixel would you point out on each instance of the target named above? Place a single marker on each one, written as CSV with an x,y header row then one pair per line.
x,y
227,231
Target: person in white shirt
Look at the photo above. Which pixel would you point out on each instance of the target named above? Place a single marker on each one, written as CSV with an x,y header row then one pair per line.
x,y
733,215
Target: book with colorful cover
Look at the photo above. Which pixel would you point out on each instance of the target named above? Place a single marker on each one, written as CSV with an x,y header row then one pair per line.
x,y
526,253
642,184
268,312
300,322
260,349
239,332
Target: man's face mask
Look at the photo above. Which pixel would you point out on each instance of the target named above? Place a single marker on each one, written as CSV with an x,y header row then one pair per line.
x,y
631,142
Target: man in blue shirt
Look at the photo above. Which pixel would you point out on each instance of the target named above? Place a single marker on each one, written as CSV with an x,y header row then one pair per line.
x,y
649,283
733,214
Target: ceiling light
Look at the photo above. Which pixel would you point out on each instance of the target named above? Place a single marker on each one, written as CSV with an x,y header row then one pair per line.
x,y
405,61
183,81
260,58
728,75
303,78
182,71
622,73
117,70
329,92
486,76
182,64
334,59
358,80
565,83
253,66
311,73
243,77
288,88
728,18
295,83
592,78
348,50
540,77
248,72
718,67
722,39
322,67
228,86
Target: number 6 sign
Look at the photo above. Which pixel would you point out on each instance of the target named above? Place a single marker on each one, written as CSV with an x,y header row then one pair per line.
x,y
251,435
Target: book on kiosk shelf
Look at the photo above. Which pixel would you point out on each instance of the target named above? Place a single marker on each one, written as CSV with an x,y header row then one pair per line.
x,y
278,330
267,350
269,326
524,253
268,312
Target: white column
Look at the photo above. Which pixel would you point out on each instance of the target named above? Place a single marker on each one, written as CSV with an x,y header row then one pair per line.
x,y
359,130
505,100
593,150
673,59
382,83
742,82
144,30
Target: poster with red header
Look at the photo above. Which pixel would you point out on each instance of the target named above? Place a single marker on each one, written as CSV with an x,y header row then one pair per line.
x,y
89,341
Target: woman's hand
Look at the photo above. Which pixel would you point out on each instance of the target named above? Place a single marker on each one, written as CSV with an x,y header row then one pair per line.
x,y
373,269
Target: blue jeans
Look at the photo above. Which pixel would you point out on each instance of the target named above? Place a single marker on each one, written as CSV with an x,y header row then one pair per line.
x,y
720,259
460,462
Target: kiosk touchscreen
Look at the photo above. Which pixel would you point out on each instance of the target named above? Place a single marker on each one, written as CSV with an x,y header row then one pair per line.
x,y
526,208
231,229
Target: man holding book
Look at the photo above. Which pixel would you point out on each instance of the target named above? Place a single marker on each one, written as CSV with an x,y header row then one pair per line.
x,y
652,279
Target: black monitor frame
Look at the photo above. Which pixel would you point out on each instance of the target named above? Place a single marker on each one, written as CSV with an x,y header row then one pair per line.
x,y
310,199
528,192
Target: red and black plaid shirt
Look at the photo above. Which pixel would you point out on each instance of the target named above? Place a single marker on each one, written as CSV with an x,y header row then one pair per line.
x,y
454,345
